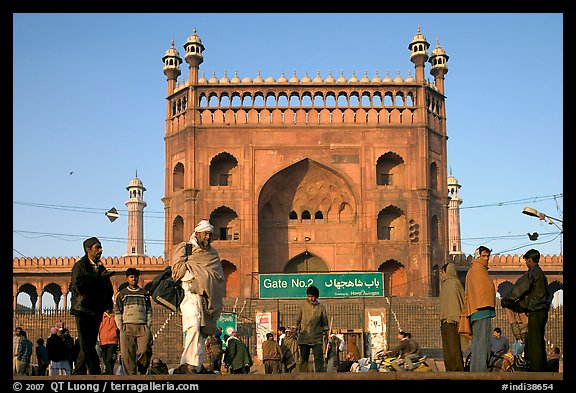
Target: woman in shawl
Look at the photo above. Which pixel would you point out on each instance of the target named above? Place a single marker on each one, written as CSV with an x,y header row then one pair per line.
x,y
451,305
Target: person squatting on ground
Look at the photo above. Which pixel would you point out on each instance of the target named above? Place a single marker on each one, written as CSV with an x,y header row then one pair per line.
x,y
91,295
271,355
480,307
312,326
214,351
531,295
133,315
451,305
109,340
237,358
553,361
197,264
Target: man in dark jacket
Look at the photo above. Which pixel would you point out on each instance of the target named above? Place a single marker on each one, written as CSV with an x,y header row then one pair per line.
x,y
42,356
531,295
91,295
313,328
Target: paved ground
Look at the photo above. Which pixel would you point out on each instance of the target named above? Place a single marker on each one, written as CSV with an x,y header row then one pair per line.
x,y
257,380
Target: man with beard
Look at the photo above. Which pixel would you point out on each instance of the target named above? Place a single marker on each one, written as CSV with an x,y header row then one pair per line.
x,y
197,264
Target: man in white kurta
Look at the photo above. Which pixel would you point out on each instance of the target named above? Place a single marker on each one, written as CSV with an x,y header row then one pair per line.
x,y
203,282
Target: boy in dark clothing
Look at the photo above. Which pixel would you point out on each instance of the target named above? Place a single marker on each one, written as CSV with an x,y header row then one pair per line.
x,y
42,356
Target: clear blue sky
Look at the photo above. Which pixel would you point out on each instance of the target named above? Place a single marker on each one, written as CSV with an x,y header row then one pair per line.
x,y
89,109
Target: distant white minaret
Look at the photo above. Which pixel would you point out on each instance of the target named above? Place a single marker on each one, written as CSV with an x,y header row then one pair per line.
x,y
454,216
136,205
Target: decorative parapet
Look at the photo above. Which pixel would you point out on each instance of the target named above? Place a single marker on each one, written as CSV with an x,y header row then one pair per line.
x,y
547,262
65,263
315,101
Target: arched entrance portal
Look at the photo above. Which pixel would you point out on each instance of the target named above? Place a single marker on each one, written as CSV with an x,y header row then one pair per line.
x,y
394,278
306,262
304,206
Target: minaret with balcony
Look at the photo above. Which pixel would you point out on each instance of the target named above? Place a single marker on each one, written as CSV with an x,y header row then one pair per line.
x,y
454,238
136,205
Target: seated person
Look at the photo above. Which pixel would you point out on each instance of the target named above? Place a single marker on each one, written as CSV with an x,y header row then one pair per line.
x,y
498,343
346,365
553,362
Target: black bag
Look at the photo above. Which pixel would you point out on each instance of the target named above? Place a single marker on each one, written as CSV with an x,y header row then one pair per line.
x,y
165,291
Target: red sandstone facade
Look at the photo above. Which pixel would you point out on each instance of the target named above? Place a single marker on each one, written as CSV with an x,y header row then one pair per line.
x,y
310,174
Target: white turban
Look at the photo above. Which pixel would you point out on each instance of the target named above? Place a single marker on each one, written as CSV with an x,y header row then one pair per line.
x,y
204,226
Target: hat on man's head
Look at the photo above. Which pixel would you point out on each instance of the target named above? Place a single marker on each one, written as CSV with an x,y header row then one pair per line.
x,y
88,243
204,226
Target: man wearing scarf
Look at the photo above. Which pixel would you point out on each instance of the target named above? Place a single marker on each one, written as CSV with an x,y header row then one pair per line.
x,y
480,307
202,278
451,304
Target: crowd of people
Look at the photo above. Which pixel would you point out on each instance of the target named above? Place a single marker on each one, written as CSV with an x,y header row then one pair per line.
x,y
114,332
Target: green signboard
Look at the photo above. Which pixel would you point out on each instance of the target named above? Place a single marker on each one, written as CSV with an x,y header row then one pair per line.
x,y
331,285
227,321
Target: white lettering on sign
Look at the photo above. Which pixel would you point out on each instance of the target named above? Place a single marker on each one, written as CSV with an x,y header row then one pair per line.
x,y
268,283
298,283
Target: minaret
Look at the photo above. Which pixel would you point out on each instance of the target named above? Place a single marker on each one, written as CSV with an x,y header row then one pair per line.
x,y
454,216
193,56
136,205
439,68
172,61
419,48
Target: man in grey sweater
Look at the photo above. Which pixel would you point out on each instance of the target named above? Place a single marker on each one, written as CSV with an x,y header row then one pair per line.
x,y
133,315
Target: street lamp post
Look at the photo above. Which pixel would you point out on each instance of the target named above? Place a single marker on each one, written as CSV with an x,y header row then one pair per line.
x,y
535,213
529,211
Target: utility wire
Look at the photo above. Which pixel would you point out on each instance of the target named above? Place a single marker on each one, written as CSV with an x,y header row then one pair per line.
x,y
517,201
160,214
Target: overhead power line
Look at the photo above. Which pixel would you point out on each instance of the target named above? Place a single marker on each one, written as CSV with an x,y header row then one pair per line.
x,y
517,201
160,214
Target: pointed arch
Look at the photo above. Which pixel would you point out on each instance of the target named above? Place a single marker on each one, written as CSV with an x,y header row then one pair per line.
x,y
306,263
391,223
178,177
301,190
177,230
390,170
395,278
226,223
222,167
